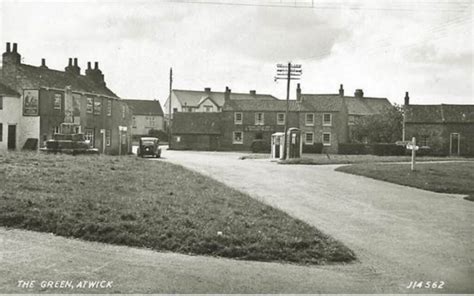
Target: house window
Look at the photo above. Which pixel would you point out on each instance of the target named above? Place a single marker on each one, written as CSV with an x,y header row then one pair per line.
x,y
208,108
107,137
238,118
97,107
109,108
123,111
1,102
238,138
309,119
309,138
327,119
351,119
327,139
89,136
57,102
423,142
259,118
150,121
280,118
1,132
134,122
90,106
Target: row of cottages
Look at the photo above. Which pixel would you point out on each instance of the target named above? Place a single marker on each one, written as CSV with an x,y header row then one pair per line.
x,y
35,100
147,115
322,118
444,129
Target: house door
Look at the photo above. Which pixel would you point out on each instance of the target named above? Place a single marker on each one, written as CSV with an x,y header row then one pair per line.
x,y
12,137
213,143
455,144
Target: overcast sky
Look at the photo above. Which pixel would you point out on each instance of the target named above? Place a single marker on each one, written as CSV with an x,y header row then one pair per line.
x,y
383,47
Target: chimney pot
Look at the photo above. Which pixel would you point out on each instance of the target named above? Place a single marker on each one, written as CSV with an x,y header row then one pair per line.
x,y
70,62
341,90
88,65
43,62
14,47
8,46
96,65
407,99
298,92
75,62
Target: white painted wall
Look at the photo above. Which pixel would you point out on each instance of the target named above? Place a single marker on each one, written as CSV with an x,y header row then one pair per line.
x,y
26,126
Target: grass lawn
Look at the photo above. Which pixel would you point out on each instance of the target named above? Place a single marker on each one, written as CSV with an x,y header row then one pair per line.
x,y
318,159
153,204
450,177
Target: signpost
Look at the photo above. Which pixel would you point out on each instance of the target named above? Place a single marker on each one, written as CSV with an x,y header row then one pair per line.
x,y
412,146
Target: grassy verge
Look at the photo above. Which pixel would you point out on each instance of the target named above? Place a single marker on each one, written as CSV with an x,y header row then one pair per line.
x,y
318,159
153,204
456,177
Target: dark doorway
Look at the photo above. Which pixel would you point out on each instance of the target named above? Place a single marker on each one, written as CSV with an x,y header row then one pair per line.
x,y
11,137
455,144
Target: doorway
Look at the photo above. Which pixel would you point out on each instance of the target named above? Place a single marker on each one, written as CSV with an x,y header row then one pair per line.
x,y
455,144
11,137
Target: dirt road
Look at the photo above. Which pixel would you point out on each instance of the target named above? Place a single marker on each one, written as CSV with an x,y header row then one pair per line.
x,y
400,234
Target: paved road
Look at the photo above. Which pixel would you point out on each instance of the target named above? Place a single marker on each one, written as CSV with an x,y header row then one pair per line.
x,y
400,234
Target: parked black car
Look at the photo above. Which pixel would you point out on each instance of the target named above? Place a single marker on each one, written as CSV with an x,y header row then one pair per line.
x,y
149,146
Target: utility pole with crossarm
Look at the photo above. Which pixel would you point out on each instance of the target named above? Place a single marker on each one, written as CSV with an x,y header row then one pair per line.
x,y
287,72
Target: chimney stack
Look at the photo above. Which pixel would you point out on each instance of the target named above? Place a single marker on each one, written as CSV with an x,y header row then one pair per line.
x,y
95,74
253,92
359,93
227,94
298,92
11,57
43,63
341,90
207,89
73,68
407,99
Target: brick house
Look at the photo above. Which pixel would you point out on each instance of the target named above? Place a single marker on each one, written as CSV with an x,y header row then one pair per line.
x,y
47,97
444,129
146,115
322,118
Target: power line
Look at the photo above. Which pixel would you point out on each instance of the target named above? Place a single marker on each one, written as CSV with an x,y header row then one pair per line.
x,y
305,5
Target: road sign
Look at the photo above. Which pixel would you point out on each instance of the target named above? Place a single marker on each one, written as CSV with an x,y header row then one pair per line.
x,y
410,147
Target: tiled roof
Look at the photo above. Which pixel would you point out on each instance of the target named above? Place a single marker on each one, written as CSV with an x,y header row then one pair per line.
x,y
439,113
314,102
145,107
196,123
263,105
192,98
35,77
366,105
6,91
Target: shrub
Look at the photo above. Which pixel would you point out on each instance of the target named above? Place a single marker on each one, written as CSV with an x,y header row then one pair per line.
x,y
160,134
352,148
260,146
315,148
384,149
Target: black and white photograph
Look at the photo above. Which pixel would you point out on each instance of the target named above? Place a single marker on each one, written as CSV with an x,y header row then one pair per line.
x,y
236,147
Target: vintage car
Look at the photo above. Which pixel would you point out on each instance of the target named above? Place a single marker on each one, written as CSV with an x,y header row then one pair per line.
x,y
149,146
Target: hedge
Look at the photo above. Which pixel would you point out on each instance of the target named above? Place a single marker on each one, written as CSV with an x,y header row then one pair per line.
x,y
353,148
315,148
260,146
385,149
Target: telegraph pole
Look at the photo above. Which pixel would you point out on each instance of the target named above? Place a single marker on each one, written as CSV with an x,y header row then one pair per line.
x,y
169,108
287,72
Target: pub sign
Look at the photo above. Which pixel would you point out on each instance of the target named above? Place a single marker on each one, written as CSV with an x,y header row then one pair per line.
x,y
30,102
